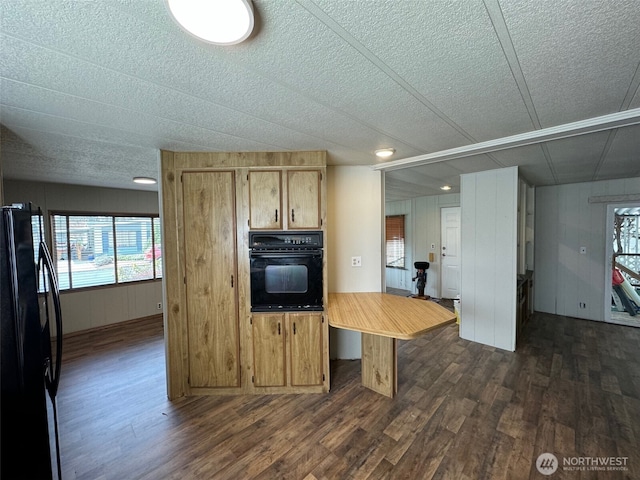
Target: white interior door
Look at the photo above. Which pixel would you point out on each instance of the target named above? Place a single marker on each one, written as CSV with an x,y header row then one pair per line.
x,y
450,251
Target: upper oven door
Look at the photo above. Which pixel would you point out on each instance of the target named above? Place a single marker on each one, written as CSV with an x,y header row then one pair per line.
x,y
286,281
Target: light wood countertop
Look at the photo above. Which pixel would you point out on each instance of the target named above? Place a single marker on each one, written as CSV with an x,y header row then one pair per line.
x,y
386,315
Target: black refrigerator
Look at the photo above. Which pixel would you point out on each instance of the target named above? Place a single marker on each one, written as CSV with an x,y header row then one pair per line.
x,y
30,348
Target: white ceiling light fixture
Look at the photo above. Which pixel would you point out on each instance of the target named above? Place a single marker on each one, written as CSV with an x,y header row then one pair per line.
x,y
445,187
145,180
385,152
221,22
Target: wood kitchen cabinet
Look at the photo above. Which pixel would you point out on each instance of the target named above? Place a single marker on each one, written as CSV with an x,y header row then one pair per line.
x,y
305,339
268,333
288,349
265,199
303,199
213,342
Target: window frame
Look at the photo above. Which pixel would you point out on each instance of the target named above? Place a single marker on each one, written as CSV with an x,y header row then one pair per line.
x,y
154,222
398,231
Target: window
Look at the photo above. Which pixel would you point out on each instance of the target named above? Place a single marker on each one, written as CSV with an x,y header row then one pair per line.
x,y
394,240
94,250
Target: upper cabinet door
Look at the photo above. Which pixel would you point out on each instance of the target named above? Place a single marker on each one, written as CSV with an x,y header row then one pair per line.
x,y
265,200
210,275
303,187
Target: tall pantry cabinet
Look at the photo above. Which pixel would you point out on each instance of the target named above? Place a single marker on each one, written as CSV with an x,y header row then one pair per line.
x,y
209,218
214,343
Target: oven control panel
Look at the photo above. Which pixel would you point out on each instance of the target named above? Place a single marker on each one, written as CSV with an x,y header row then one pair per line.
x,y
285,240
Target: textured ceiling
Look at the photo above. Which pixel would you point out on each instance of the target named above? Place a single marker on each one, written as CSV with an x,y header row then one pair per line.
x,y
91,90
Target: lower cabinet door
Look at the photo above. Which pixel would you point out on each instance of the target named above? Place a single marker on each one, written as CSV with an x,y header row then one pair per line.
x,y
269,350
305,333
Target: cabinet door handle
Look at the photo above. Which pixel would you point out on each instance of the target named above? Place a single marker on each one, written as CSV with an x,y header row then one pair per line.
x,y
293,216
294,328
278,328
276,214
231,281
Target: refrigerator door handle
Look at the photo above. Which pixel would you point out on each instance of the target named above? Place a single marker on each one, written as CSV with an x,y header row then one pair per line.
x,y
50,279
52,372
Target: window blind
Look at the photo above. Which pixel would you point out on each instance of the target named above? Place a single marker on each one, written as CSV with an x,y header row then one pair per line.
x,y
394,239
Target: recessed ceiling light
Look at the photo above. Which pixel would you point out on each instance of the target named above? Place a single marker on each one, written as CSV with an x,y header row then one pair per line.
x,y
445,187
221,22
385,152
145,180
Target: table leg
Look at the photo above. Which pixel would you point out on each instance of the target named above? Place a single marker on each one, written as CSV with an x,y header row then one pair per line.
x,y
380,364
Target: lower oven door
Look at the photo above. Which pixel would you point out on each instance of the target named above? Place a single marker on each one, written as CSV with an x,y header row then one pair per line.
x,y
286,281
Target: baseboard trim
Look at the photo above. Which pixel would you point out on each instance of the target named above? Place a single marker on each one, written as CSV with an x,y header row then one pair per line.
x,y
110,326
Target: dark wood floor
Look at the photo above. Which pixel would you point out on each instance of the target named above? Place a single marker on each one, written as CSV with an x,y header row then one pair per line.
x,y
463,411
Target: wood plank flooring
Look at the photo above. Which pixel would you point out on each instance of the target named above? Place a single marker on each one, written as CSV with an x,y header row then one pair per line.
x,y
463,411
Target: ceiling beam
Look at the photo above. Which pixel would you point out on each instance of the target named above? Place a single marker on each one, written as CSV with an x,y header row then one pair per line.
x,y
573,129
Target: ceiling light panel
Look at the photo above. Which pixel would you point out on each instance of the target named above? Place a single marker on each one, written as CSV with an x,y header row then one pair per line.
x,y
385,152
145,180
221,22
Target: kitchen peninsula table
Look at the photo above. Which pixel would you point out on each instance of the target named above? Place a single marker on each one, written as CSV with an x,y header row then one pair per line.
x,y
382,319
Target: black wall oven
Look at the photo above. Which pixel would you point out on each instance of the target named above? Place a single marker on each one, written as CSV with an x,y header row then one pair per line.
x,y
286,271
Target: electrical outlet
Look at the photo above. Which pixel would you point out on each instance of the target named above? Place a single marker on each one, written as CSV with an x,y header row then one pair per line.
x,y
356,261
433,246
159,305
582,305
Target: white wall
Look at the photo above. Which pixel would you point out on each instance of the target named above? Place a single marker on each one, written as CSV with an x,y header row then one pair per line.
x,y
489,257
566,221
422,229
99,306
355,220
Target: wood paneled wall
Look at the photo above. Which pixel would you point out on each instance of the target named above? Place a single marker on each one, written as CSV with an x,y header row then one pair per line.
x,y
489,257
566,220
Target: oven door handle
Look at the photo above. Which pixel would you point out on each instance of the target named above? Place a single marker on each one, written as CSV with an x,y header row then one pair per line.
x,y
286,255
